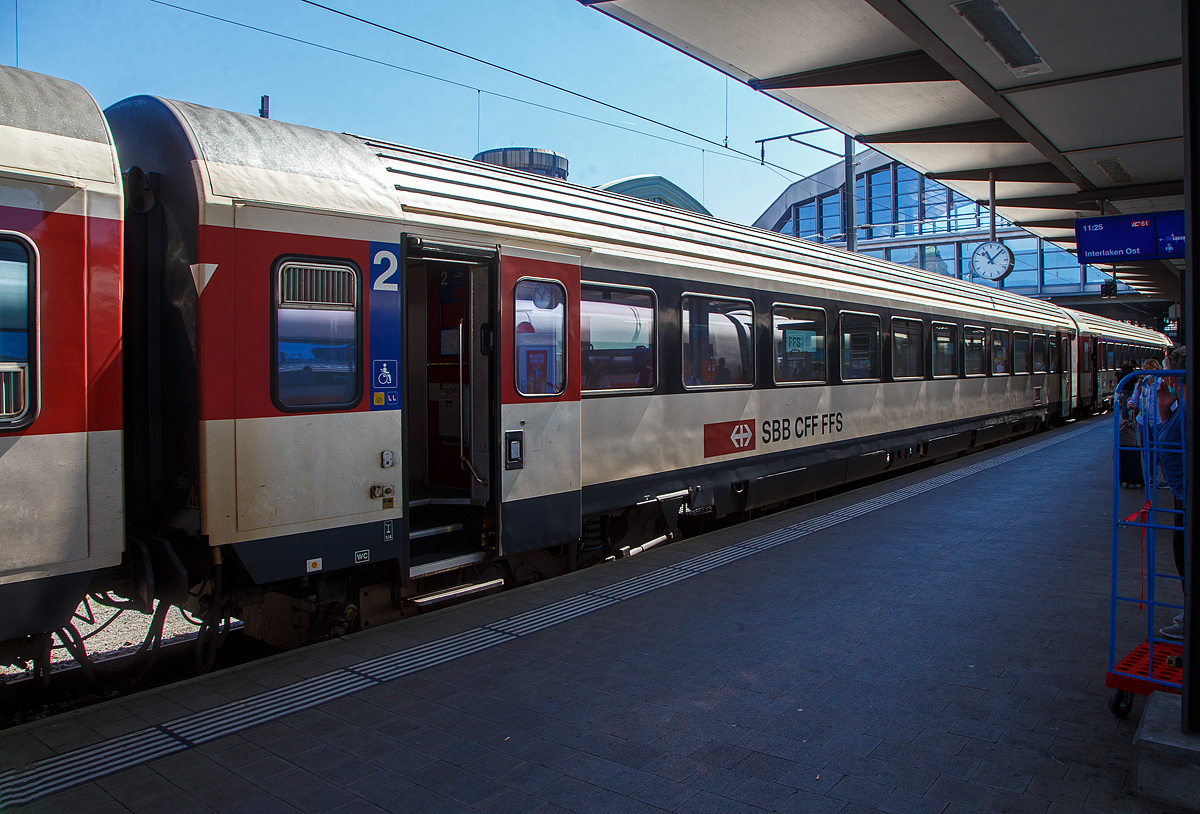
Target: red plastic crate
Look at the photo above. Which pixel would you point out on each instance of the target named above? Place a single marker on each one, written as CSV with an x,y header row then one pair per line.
x,y
1133,673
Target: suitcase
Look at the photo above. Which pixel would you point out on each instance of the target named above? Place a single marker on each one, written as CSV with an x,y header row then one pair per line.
x,y
1129,467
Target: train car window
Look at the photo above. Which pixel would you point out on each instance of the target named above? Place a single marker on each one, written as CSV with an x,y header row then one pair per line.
x,y
1000,363
1020,356
317,329
1110,357
541,337
974,355
616,334
945,347
16,269
718,342
1039,353
860,347
799,343
908,348
1087,355
1053,362
1068,342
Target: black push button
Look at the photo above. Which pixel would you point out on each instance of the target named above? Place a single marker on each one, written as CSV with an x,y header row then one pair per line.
x,y
514,449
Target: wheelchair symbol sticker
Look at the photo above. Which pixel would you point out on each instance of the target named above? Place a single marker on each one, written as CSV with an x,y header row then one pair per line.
x,y
385,374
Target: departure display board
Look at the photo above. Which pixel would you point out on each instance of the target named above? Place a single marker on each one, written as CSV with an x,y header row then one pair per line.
x,y
1117,238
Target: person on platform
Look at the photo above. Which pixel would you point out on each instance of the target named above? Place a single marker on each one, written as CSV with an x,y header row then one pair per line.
x,y
1144,404
723,374
1172,400
598,380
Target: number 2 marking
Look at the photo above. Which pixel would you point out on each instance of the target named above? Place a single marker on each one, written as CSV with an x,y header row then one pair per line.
x,y
381,284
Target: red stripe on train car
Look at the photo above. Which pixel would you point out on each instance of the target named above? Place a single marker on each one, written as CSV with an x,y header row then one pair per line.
x,y
64,289
242,309
104,324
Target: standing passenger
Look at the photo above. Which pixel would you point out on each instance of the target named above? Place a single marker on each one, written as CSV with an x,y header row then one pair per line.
x,y
1144,403
1172,398
723,374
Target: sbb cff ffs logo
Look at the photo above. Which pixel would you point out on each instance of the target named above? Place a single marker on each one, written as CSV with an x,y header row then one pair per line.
x,y
728,437
805,426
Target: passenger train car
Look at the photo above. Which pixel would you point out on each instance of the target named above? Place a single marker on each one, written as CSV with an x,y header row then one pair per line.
x,y
353,380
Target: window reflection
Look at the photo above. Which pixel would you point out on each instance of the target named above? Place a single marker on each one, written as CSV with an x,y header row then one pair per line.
x,y
860,347
14,302
541,331
799,342
1000,352
944,347
616,332
908,343
718,342
317,363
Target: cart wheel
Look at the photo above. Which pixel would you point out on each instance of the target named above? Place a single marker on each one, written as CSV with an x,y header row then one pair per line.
x,y
1120,702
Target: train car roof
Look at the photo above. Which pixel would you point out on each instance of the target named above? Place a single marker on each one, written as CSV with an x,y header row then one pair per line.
x,y
1112,330
250,159
52,127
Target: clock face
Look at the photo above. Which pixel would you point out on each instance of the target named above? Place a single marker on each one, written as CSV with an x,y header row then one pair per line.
x,y
992,260
543,296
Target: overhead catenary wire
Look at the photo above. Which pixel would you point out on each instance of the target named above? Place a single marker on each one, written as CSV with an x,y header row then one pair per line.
x,y
728,152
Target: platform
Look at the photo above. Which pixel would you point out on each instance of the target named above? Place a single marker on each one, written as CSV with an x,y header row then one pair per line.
x,y
935,643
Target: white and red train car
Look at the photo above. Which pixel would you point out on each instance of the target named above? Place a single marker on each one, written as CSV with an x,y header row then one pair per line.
x,y
61,515
362,379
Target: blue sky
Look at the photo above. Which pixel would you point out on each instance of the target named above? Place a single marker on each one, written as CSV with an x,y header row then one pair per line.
x,y
121,48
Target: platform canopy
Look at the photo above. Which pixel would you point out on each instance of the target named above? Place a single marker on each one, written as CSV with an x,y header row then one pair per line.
x,y
1075,105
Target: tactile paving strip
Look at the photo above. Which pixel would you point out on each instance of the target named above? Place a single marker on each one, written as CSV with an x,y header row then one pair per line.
x,y
90,763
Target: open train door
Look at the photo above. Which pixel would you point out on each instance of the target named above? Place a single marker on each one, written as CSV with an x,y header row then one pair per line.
x,y
538,346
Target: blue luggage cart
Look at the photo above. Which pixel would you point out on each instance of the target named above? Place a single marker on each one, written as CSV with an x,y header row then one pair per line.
x,y
1155,664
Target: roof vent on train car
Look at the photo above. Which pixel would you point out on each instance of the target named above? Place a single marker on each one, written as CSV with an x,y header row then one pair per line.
x,y
304,285
527,159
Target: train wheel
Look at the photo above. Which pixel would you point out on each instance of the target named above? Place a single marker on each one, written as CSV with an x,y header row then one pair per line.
x,y
1120,702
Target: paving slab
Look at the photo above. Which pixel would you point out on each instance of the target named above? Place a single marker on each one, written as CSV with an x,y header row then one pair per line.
x,y
933,643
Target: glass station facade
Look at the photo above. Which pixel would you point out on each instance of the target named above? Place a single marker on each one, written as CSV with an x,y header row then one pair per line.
x,y
909,219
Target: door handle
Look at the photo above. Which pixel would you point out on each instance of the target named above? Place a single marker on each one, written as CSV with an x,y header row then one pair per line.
x,y
462,412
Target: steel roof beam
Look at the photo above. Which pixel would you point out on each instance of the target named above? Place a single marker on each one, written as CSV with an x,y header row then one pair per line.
x,y
988,131
1132,191
1069,202
909,24
1057,223
1075,80
911,66
1042,173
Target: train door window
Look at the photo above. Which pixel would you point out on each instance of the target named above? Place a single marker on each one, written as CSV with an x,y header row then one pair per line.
x,y
1020,356
1000,365
616,335
718,342
799,343
974,353
945,346
1051,346
16,274
541,337
860,347
908,348
1088,346
1068,342
317,330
